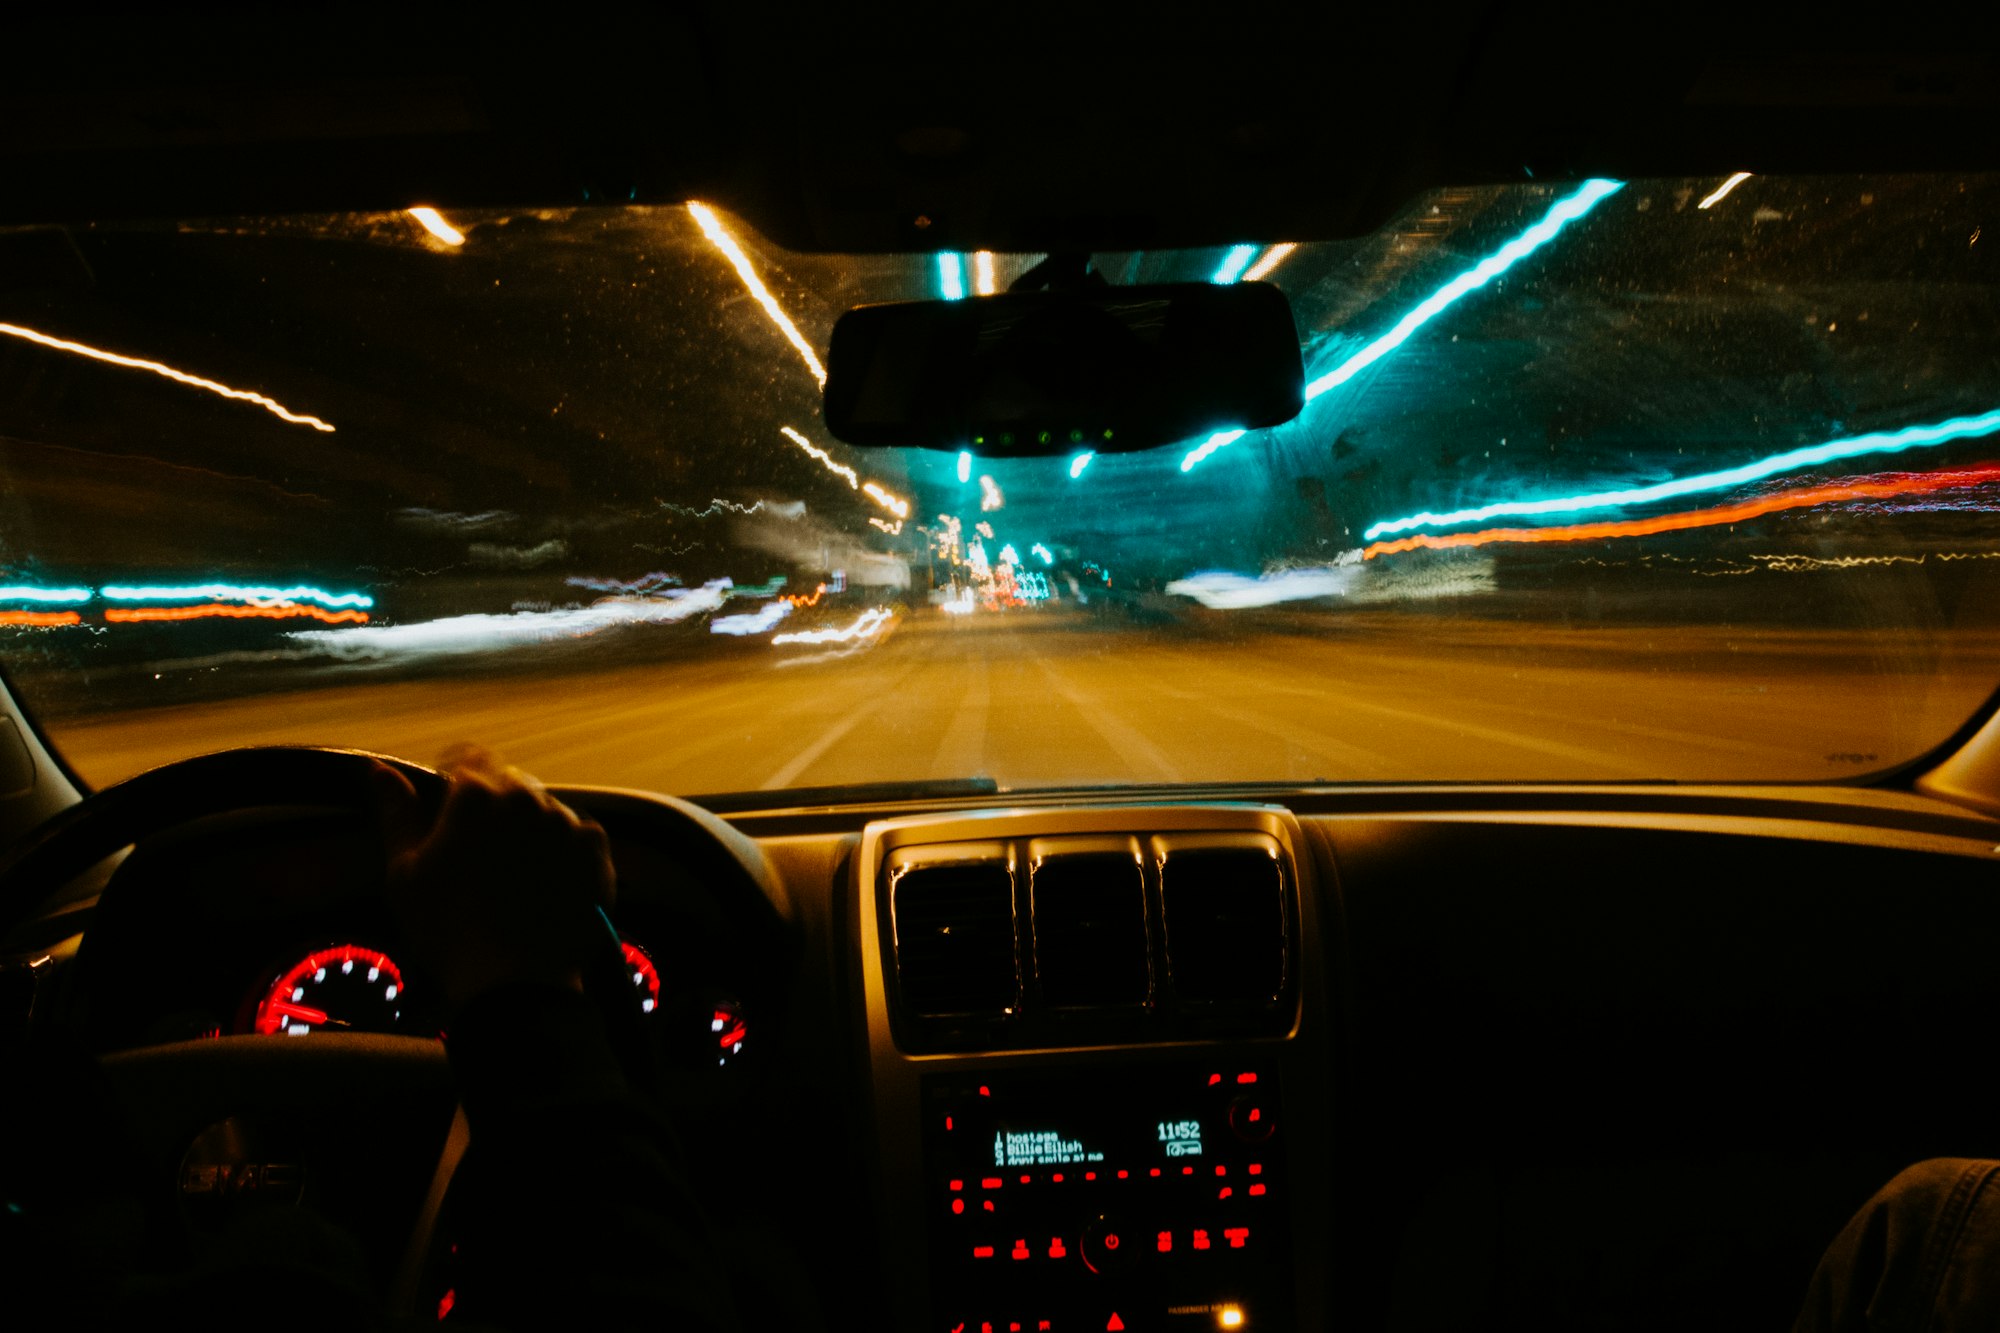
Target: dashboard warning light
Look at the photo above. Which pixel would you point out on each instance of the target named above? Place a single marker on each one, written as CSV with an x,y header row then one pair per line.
x,y
1229,1316
1020,1250
957,1206
1166,1242
1111,1243
1237,1235
1214,1079
1245,1078
1114,1324
1201,1240
1056,1250
1256,1189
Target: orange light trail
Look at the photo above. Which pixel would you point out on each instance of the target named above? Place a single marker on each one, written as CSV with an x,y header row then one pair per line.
x,y
270,405
1275,256
799,600
895,505
434,223
1888,486
119,615
40,619
719,237
982,272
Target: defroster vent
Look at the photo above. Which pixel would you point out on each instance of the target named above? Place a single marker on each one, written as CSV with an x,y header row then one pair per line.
x,y
954,935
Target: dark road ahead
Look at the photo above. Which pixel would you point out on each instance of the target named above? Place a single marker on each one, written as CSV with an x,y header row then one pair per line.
x,y
1046,700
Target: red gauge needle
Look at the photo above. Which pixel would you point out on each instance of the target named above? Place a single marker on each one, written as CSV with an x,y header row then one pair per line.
x,y
299,1011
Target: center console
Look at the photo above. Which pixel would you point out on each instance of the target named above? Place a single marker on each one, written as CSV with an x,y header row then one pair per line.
x,y
1097,1065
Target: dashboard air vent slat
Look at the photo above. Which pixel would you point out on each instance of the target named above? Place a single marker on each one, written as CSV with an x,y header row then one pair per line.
x,y
1090,930
955,940
1224,911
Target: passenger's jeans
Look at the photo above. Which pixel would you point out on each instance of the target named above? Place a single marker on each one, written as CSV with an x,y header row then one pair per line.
x,y
1922,1256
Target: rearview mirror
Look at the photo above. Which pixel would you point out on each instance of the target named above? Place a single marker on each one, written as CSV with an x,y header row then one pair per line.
x,y
1026,374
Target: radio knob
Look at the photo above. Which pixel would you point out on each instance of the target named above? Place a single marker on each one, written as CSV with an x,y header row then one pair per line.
x,y
1252,1118
1105,1246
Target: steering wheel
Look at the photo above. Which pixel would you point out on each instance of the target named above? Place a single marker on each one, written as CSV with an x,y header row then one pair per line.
x,y
243,1120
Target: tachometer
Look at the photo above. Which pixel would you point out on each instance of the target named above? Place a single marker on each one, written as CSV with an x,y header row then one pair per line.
x,y
343,987
645,977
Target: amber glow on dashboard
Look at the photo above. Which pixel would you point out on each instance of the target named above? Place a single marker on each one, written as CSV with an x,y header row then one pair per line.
x,y
270,405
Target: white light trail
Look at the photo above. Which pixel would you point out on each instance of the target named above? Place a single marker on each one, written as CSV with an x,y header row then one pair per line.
x,y
270,405
1222,591
435,224
893,529
494,633
1724,189
1048,556
870,622
823,456
982,272
719,237
965,465
1080,462
763,621
894,504
990,496
1273,257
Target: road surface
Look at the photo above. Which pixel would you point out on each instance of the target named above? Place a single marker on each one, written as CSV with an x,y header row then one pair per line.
x,y
1042,700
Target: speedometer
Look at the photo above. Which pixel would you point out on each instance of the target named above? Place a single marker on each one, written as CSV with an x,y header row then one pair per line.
x,y
344,987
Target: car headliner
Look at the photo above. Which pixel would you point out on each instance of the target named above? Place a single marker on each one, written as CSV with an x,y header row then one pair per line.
x,y
913,130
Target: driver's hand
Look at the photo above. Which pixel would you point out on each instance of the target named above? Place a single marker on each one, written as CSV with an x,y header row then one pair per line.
x,y
503,887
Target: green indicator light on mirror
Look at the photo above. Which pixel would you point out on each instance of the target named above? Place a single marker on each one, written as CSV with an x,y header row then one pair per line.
x,y
1107,434
1076,437
1043,438
1006,439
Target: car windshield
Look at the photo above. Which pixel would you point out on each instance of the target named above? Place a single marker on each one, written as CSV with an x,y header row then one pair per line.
x,y
1606,481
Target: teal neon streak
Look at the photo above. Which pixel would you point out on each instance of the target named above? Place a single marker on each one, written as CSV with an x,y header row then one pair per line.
x,y
1534,238
951,276
230,592
1566,210
21,594
1877,442
1234,263
1222,439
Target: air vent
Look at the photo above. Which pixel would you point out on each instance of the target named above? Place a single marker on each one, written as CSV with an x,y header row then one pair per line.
x,y
954,926
1090,927
1225,910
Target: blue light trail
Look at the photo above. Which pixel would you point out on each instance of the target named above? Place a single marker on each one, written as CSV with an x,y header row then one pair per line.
x,y
23,594
1234,263
951,276
230,592
1079,463
1877,442
1567,210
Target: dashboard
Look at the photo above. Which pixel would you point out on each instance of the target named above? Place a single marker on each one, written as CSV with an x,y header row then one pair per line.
x,y
1386,1058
